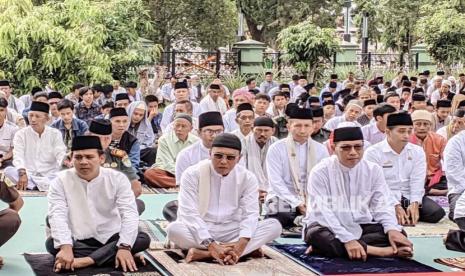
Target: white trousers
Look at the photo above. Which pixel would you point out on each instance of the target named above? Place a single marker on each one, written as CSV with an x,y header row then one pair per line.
x,y
267,230
41,182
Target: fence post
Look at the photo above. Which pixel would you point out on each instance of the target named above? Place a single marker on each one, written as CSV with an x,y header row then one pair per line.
x,y
369,60
334,59
173,63
279,64
218,63
239,61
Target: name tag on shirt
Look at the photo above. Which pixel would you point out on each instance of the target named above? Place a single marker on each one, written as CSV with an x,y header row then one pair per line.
x,y
387,165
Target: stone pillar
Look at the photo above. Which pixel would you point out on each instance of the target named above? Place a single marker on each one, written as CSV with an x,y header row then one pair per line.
x,y
348,54
251,56
425,61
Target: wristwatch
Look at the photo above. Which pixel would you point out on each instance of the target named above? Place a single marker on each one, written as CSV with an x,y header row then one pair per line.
x,y
207,242
124,246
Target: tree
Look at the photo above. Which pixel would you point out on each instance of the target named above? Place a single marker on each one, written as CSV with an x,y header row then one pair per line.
x,y
445,38
266,18
208,24
308,47
63,42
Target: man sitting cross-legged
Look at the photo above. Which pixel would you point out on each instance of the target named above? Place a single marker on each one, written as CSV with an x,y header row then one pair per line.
x,y
92,213
350,212
9,217
218,208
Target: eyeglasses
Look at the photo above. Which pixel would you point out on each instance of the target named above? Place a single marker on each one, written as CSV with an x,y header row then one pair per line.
x,y
220,156
211,131
348,148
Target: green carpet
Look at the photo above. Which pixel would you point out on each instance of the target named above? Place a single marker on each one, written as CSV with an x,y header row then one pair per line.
x,y
31,236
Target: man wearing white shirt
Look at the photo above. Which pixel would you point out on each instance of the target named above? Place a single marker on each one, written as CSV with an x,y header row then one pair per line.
x,y
245,117
133,93
435,86
268,83
288,163
404,167
38,151
454,163
374,132
456,125
167,88
442,93
352,111
218,211
213,101
210,126
350,212
256,149
7,132
13,102
181,93
92,213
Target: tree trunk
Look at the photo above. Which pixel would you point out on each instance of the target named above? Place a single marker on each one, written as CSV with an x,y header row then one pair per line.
x,y
312,72
254,32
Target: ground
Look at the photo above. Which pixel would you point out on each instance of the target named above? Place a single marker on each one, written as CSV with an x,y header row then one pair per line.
x,y
31,236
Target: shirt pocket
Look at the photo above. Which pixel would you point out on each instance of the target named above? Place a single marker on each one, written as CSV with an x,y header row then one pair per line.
x,y
390,173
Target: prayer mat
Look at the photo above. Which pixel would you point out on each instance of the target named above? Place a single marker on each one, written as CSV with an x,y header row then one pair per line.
x,y
273,263
441,200
160,224
458,262
32,193
42,265
167,190
148,190
342,266
425,230
156,234
293,232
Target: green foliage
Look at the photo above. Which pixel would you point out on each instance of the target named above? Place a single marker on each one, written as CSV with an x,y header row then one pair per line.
x,y
208,23
308,47
62,42
266,18
445,38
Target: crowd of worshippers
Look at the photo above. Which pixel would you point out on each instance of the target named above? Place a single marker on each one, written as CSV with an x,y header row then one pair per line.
x,y
351,164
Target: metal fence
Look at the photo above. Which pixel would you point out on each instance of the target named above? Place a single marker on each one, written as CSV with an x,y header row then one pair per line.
x,y
388,61
205,63
274,61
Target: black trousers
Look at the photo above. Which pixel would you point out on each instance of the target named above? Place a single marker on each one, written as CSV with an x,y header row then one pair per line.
x,y
430,211
9,225
148,156
452,202
455,239
325,243
102,254
281,211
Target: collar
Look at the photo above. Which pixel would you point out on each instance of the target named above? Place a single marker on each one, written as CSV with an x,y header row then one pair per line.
x,y
385,147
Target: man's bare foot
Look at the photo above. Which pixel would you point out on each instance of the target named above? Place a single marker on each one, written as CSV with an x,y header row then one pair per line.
x,y
1,262
195,254
83,262
257,254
